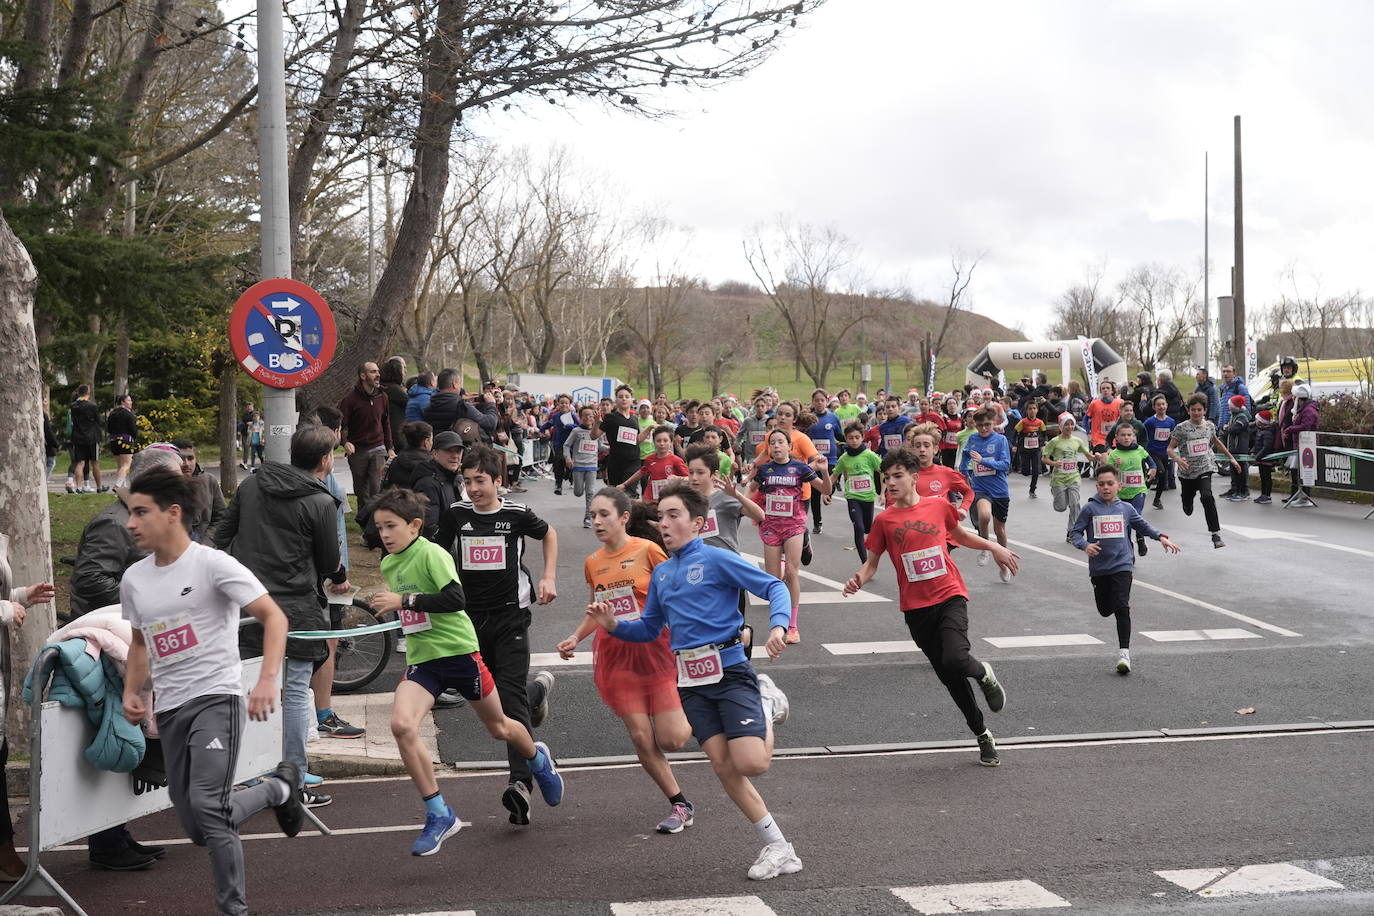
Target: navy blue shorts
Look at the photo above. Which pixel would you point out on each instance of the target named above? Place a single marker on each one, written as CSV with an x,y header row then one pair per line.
x,y
732,706
465,673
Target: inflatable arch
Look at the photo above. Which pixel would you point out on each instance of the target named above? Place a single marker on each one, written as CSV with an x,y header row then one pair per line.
x,y
1019,357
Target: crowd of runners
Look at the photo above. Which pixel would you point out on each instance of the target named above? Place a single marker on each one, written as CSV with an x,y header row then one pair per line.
x,y
671,491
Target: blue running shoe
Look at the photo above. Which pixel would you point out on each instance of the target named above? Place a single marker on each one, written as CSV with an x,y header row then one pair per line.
x,y
312,780
437,829
550,783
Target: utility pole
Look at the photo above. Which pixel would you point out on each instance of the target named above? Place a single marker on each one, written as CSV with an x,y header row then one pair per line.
x,y
1238,281
1206,266
279,404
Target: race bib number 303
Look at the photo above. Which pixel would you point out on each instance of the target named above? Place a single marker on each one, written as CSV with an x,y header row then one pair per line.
x,y
484,553
861,483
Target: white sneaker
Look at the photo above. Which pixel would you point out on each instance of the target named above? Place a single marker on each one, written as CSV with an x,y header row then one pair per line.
x,y
1005,574
1123,662
983,557
775,859
774,701
401,646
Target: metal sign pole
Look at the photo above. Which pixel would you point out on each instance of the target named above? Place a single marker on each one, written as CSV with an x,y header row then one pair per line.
x,y
279,404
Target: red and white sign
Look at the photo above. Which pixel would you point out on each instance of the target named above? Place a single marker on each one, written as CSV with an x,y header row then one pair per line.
x,y
282,333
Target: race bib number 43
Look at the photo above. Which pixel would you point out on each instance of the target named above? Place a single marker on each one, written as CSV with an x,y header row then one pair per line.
x,y
484,553
622,602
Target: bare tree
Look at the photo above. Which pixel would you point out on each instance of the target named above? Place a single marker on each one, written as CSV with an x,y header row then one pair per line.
x,y
1087,309
1309,316
802,271
1159,312
956,300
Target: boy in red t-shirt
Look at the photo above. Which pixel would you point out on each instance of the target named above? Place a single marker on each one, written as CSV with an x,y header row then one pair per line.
x,y
934,600
659,468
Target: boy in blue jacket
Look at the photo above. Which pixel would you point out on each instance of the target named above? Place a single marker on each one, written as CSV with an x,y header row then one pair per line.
x,y
1100,532
695,593
987,458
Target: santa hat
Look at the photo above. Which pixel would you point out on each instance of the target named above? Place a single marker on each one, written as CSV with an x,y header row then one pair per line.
x,y
1265,416
1067,417
1237,400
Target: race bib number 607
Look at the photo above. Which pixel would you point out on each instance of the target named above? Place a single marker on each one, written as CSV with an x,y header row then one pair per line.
x,y
484,553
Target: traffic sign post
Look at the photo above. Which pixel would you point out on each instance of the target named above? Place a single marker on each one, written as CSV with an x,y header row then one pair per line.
x,y
283,334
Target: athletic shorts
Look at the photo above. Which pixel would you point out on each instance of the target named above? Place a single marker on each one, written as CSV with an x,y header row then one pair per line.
x,y
120,447
775,531
1112,592
1000,505
85,451
732,706
465,673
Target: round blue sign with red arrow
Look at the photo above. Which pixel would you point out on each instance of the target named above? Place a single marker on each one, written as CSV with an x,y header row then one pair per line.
x,y
282,333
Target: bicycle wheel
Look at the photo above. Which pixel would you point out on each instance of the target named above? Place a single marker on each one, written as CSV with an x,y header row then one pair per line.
x,y
359,659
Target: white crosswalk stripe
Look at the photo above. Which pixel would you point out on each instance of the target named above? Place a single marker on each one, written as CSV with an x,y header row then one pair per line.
x,y
980,897
1039,642
699,906
1276,878
1189,635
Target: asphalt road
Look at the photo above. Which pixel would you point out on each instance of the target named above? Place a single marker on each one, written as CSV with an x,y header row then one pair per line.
x,y
1278,622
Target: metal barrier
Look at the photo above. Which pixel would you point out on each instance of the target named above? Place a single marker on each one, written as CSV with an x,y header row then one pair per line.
x,y
69,799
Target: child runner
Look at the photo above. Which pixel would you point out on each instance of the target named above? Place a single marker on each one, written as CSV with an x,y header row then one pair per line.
x,y
658,469
1134,470
1100,532
780,481
441,653
1190,444
858,468
621,427
1158,430
987,457
713,439
1032,432
1102,414
1061,457
890,430
935,479
487,532
638,681
825,435
727,505
582,449
731,709
182,601
915,533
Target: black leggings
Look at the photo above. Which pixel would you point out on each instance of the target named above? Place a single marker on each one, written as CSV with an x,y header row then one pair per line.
x,y
1266,478
1202,488
1164,474
816,502
947,456
861,517
560,468
941,632
1112,594
1030,464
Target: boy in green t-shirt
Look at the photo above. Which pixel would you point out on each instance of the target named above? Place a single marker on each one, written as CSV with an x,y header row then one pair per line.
x,y
441,652
714,437
858,466
1135,469
1061,457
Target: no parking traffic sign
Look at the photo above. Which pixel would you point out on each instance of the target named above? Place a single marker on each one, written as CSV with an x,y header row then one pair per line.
x,y
282,333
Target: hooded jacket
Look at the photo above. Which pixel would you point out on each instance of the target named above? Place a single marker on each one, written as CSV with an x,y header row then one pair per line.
x,y
1117,555
448,407
105,551
283,526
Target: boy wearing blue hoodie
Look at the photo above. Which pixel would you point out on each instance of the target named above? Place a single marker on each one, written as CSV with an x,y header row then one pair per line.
x,y
1100,532
987,458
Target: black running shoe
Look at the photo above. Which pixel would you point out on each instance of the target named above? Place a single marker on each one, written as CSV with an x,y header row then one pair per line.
x,y
121,858
156,852
987,750
1141,546
516,800
806,548
290,813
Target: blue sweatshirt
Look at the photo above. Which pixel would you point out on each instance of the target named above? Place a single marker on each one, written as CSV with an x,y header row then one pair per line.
x,y
889,428
996,454
826,434
562,425
1153,443
695,592
1110,532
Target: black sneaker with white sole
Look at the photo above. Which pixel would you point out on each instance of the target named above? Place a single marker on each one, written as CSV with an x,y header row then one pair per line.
x,y
334,727
516,800
992,689
987,750
540,711
290,814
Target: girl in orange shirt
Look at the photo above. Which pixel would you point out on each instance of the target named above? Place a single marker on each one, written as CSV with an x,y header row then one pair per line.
x,y
638,681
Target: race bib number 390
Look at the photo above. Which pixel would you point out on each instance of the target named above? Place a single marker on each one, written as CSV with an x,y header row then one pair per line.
x,y
484,553
1107,527
173,640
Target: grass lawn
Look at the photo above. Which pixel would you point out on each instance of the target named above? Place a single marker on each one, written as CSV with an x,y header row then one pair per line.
x,y
206,454
70,512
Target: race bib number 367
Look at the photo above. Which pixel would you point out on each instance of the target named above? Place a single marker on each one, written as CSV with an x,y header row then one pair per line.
x,y
172,640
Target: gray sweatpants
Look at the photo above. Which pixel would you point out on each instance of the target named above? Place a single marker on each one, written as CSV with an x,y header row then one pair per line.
x,y
1066,498
584,485
200,745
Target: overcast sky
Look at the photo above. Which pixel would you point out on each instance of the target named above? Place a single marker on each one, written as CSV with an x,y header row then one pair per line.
x,y
1051,135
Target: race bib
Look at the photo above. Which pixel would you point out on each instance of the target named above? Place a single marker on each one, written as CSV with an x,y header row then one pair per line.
x,y
822,446
656,487
1109,526
757,436
1161,434
778,505
711,528
892,443
982,470
173,640
699,667
414,621
924,564
1133,479
586,449
627,435
861,483
1199,446
484,553
1031,442
951,438
622,601
1068,464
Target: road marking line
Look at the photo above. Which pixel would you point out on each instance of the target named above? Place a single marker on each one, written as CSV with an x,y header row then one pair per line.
x,y
805,574
870,648
337,831
443,913
554,660
1189,635
972,898
1267,534
1028,642
828,598
1278,878
1258,624
697,906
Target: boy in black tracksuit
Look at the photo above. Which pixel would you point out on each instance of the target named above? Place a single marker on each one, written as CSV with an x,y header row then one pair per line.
x,y
1261,444
486,535
1238,442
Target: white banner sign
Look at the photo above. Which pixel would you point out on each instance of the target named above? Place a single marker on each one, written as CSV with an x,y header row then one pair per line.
x,y
1089,368
1251,361
1307,457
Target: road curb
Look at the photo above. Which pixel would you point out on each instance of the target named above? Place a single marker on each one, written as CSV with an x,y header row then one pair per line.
x,y
342,766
